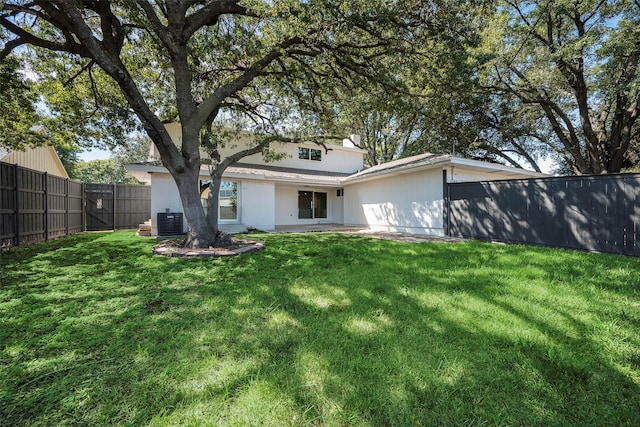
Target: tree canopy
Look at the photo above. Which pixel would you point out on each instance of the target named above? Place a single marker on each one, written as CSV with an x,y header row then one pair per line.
x,y
199,61
17,103
570,67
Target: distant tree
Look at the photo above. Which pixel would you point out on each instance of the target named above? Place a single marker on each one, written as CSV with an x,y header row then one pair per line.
x,y
102,172
433,82
574,65
137,150
70,156
17,109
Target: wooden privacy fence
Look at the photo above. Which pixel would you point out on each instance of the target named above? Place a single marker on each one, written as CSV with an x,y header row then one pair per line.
x,y
596,213
36,206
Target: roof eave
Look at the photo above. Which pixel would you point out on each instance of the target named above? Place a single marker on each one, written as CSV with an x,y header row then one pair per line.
x,y
496,168
401,170
204,171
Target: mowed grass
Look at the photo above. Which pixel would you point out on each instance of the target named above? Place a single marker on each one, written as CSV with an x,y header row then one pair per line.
x,y
317,329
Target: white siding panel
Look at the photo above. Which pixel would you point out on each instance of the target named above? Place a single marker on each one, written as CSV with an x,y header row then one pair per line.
x,y
286,205
337,159
258,207
409,203
336,207
164,196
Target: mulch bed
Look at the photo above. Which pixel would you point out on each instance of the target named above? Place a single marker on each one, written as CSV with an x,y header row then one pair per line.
x,y
171,248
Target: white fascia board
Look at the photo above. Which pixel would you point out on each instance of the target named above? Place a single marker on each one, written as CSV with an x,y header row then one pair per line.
x,y
496,168
402,170
145,168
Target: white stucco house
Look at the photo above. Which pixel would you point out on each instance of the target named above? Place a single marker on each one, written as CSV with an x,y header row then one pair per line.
x,y
315,186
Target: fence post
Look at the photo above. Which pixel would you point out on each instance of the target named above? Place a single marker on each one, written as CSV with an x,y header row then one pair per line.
x,y
66,207
83,204
115,188
16,220
46,205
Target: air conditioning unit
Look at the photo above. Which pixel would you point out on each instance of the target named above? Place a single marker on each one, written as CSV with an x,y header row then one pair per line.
x,y
169,223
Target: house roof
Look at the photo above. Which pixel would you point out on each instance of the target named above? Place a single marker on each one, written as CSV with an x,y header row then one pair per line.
x,y
401,166
429,161
283,174
250,171
43,158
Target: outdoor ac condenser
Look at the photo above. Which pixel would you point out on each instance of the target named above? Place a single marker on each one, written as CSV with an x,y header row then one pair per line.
x,y
169,223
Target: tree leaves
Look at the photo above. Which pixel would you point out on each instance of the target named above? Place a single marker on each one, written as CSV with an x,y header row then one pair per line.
x,y
17,103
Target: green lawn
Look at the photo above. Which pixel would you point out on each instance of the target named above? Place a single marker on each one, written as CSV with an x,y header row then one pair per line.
x,y
317,329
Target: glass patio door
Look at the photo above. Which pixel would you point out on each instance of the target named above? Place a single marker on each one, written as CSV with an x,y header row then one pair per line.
x,y
312,205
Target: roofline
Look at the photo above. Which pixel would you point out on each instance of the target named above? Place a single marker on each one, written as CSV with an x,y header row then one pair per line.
x,y
430,163
461,161
58,160
339,146
333,181
443,161
436,162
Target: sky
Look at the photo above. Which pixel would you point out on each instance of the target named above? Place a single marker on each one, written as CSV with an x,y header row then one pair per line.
x,y
95,154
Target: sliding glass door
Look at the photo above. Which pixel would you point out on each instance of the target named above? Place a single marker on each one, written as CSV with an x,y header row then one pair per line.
x,y
312,205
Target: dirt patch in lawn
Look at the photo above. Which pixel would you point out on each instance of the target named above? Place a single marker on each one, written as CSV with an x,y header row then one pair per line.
x,y
402,237
173,248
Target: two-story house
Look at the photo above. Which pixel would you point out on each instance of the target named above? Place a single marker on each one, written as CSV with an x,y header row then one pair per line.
x,y
312,185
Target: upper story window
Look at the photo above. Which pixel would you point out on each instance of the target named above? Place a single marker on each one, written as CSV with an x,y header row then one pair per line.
x,y
309,154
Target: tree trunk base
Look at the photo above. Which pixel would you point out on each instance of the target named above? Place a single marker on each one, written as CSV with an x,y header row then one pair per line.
x,y
220,240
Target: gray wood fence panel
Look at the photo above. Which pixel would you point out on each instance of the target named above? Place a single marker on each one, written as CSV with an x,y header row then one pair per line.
x,y
595,213
132,206
8,194
56,206
32,202
76,207
35,206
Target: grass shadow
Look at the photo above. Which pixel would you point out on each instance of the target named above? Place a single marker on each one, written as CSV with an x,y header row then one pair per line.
x,y
318,328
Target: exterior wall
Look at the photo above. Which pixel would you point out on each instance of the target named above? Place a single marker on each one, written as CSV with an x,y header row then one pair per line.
x,y
336,207
286,205
258,204
43,159
286,210
164,196
256,208
407,203
337,159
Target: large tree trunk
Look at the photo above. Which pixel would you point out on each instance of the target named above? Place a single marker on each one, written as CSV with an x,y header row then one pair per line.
x,y
199,232
213,201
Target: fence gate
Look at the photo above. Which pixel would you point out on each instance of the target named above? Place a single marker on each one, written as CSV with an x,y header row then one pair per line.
x,y
100,207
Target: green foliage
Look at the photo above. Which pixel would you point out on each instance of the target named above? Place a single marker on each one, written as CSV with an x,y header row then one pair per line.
x,y
70,156
138,150
571,69
17,109
317,329
84,108
102,172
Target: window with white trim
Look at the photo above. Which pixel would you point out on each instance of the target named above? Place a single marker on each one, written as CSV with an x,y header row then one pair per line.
x,y
309,154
